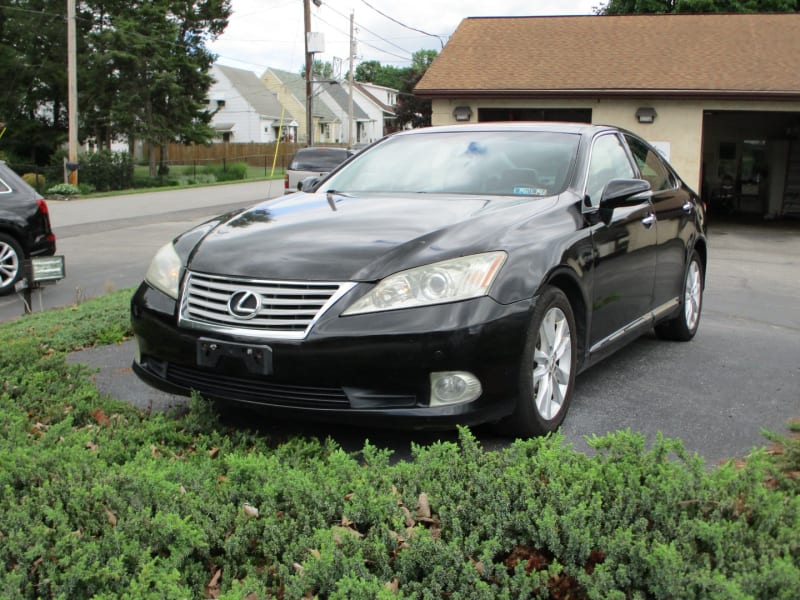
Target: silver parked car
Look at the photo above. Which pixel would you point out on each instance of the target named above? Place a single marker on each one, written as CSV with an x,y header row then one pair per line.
x,y
316,161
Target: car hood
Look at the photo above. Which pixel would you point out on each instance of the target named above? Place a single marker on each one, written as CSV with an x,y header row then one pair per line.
x,y
332,237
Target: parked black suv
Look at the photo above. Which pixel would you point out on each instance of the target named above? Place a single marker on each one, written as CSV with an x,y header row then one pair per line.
x,y
24,227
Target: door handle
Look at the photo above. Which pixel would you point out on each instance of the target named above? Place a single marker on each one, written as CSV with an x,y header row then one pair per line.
x,y
649,220
687,207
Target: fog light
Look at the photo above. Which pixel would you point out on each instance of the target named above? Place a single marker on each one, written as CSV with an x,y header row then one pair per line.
x,y
454,387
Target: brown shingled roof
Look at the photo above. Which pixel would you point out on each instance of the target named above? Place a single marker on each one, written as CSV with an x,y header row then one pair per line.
x,y
752,54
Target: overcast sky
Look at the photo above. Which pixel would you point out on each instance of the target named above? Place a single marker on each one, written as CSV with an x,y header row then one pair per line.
x,y
269,33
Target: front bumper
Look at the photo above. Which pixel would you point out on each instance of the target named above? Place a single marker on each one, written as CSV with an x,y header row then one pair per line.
x,y
368,369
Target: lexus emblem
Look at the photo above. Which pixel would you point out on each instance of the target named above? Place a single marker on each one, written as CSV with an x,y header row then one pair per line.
x,y
244,304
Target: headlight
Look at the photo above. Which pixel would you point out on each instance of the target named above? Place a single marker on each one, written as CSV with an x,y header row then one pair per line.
x,y
446,281
165,271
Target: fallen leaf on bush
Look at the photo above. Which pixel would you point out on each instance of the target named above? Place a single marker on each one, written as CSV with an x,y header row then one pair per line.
x,y
478,566
100,417
396,494
212,587
346,522
154,451
349,496
315,553
348,530
423,506
213,453
393,585
410,522
250,510
298,568
183,490
112,518
92,446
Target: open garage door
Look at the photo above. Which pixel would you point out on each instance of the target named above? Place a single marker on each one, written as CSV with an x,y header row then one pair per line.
x,y
751,163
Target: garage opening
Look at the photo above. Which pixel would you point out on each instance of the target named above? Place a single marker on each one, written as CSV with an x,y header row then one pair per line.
x,y
565,115
751,164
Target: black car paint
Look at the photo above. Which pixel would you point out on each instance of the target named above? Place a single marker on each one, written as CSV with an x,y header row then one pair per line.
x,y
603,258
22,217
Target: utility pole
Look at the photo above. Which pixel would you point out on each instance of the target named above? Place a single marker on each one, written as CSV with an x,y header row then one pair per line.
x,y
72,95
350,87
309,61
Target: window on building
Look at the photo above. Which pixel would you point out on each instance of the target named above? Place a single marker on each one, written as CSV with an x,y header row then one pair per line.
x,y
570,115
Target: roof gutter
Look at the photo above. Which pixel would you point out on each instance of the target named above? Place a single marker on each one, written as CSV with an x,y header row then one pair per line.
x,y
610,93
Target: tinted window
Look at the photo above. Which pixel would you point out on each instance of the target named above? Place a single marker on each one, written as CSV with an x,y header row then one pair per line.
x,y
609,161
574,115
509,163
318,159
650,165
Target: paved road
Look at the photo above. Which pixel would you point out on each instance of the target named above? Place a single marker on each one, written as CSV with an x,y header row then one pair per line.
x,y
739,375
108,242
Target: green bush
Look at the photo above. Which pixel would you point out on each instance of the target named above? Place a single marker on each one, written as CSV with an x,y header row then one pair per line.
x,y
64,189
98,499
106,170
228,171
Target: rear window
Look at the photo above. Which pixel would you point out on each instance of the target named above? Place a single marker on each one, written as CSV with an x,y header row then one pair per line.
x,y
318,159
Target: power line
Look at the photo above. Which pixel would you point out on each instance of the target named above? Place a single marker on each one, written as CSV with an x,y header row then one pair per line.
x,y
438,37
405,58
367,30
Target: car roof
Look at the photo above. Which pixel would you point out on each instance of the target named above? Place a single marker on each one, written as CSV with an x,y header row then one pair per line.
x,y
531,126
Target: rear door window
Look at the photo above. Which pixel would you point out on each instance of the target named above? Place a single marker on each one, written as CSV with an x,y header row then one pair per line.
x,y
318,159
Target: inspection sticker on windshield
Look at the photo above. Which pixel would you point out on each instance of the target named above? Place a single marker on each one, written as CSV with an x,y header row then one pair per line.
x,y
529,191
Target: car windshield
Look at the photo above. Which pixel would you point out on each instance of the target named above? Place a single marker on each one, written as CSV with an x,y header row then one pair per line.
x,y
510,163
318,159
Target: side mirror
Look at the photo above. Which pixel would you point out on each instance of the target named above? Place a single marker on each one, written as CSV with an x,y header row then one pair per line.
x,y
309,184
624,192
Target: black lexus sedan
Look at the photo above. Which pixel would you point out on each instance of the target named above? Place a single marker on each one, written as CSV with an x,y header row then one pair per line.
x,y
460,274
24,227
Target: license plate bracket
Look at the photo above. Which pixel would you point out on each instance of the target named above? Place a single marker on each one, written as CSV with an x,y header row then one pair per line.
x,y
256,358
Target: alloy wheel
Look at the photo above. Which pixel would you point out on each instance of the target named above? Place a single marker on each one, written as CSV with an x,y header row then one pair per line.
x,y
9,264
692,295
552,363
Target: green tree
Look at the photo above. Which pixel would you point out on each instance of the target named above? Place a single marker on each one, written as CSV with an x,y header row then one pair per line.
x,y
33,104
142,71
372,71
152,55
411,109
319,70
628,7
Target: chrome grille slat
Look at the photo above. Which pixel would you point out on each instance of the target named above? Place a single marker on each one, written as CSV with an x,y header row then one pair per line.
x,y
288,308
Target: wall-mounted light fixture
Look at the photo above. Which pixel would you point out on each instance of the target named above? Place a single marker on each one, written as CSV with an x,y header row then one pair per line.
x,y
462,113
646,114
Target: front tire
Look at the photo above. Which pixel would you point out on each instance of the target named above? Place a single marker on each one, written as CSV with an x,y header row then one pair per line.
x,y
683,327
11,257
548,366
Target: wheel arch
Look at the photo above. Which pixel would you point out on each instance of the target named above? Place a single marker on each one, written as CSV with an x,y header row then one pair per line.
x,y
566,281
701,247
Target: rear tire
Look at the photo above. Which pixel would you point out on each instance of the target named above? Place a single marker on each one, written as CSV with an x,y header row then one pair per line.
x,y
548,366
11,257
682,327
